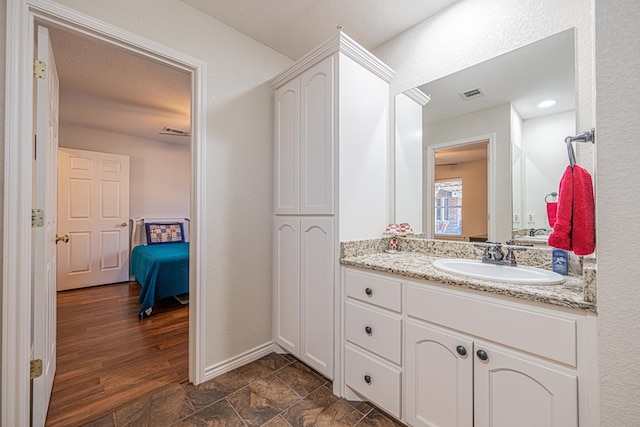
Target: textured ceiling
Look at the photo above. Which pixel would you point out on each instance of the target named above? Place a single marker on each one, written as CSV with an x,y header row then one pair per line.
x,y
524,77
107,88
294,27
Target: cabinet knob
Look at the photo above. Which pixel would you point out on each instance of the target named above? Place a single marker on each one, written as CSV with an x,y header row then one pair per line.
x,y
368,330
368,291
482,355
367,379
461,350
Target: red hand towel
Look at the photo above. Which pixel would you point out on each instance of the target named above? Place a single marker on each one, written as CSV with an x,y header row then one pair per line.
x,y
583,234
552,211
560,237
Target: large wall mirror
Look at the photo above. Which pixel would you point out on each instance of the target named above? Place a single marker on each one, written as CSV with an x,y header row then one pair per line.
x,y
478,151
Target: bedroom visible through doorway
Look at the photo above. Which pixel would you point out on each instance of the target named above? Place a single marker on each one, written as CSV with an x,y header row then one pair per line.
x,y
117,105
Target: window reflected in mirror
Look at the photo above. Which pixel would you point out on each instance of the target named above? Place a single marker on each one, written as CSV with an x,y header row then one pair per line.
x,y
448,205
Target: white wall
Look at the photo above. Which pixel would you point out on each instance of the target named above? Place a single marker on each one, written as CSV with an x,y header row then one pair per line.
x,y
496,120
517,170
618,228
237,282
363,162
409,194
545,160
160,172
3,9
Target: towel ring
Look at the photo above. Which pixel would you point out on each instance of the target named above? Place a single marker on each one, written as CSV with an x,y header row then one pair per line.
x,y
588,136
553,194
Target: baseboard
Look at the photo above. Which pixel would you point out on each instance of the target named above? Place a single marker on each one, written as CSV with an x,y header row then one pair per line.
x,y
237,361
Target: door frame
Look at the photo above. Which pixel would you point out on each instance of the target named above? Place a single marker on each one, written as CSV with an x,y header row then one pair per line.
x,y
430,178
21,16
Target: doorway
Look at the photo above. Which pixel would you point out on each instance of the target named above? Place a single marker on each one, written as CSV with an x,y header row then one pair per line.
x,y
461,192
17,309
449,214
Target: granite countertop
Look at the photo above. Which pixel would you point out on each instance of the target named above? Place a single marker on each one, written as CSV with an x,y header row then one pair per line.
x,y
570,294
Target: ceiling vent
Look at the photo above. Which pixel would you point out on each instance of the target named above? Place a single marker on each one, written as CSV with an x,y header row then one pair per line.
x,y
472,94
173,132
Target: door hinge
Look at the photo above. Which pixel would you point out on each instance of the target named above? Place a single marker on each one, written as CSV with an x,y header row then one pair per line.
x,y
36,368
39,69
37,218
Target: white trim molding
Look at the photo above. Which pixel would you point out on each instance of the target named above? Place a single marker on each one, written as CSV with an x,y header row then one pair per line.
x,y
418,96
340,43
21,18
239,360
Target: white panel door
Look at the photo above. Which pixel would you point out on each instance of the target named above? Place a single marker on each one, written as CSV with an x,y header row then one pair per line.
x,y
439,377
287,149
93,211
513,391
317,139
44,237
286,283
316,284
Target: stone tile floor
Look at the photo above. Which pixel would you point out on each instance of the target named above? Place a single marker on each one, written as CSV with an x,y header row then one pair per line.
x,y
274,391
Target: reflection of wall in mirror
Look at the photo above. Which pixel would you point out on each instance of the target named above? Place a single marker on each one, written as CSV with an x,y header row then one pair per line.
x,y
545,159
409,162
517,171
495,120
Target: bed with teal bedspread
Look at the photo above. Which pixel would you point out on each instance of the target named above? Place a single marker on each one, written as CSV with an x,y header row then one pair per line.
x,y
162,270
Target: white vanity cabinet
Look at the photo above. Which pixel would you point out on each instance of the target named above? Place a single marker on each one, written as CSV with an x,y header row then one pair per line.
x,y
303,292
478,360
454,381
373,334
304,148
331,135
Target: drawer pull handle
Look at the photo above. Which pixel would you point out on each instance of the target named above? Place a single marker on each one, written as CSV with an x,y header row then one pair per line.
x,y
368,291
367,379
461,350
368,330
482,355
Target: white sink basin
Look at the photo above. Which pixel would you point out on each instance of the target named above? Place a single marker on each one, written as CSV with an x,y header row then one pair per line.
x,y
538,238
499,273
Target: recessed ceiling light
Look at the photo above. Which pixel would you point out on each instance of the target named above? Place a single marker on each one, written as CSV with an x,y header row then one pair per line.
x,y
548,103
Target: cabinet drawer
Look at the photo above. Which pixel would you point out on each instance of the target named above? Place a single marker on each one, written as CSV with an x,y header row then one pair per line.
x,y
383,387
377,290
374,330
539,333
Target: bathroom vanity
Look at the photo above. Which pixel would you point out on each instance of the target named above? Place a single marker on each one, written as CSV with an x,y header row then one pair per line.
x,y
431,348
327,185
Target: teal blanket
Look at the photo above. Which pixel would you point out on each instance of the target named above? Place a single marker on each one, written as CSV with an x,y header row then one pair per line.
x,y
162,270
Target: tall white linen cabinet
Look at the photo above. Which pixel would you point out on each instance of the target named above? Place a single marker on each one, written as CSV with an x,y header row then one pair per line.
x,y
330,185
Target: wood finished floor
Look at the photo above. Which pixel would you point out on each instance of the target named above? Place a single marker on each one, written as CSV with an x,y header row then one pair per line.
x,y
108,358
115,370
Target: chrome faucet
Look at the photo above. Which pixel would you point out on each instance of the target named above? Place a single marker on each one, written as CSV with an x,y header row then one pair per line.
x,y
535,231
494,254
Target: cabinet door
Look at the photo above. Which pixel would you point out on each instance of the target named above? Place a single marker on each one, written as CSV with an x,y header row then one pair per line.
x,y
286,283
287,148
439,388
513,391
317,139
317,300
